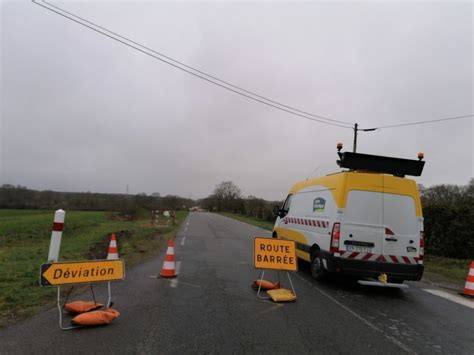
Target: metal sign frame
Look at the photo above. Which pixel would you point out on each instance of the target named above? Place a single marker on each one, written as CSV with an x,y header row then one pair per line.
x,y
277,270
261,279
61,311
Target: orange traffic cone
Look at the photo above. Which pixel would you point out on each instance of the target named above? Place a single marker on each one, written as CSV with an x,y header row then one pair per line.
x,y
168,269
469,287
112,253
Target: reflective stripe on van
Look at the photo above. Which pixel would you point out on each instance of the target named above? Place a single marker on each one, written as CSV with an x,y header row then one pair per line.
x,y
380,258
306,222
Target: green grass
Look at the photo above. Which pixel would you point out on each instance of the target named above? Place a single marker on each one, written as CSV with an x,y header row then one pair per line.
x,y
250,220
448,270
24,245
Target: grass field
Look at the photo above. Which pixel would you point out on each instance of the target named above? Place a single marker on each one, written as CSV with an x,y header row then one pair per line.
x,y
24,244
440,269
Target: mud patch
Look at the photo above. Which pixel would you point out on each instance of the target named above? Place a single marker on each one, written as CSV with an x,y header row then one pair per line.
x,y
99,249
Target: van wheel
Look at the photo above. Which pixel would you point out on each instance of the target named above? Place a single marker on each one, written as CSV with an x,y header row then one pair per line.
x,y
317,267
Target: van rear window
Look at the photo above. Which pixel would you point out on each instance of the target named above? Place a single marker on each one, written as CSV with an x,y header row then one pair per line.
x,y
376,208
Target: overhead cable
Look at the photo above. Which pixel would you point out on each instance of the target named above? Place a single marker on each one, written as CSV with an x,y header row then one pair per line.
x,y
190,70
419,122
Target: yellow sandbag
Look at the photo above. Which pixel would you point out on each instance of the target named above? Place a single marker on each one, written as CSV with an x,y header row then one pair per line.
x,y
96,317
282,295
81,306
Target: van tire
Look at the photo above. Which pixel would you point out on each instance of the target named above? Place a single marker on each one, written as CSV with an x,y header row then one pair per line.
x,y
318,272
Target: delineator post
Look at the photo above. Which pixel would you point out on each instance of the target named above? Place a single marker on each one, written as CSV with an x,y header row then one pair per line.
x,y
56,235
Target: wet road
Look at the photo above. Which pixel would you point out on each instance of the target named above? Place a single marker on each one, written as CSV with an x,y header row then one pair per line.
x,y
211,308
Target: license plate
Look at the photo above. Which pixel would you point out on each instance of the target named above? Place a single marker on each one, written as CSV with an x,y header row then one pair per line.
x,y
359,248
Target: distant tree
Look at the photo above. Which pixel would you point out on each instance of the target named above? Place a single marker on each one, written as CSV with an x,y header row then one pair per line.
x,y
171,202
227,190
209,203
226,194
255,206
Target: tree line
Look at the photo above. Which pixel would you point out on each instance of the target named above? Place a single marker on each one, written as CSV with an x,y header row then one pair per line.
x,y
448,209
449,213
24,198
227,197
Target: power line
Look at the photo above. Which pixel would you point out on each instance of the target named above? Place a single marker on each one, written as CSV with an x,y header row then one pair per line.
x,y
222,83
192,68
420,122
137,46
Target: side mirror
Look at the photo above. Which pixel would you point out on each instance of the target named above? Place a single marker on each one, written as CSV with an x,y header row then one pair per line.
x,y
276,211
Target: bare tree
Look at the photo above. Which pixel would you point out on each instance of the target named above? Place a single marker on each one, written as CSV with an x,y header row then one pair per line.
x,y
226,194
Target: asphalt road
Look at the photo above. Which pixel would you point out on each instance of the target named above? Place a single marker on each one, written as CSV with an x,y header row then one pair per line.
x,y
211,308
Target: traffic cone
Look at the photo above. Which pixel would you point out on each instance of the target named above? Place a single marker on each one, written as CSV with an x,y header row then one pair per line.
x,y
168,269
469,287
112,253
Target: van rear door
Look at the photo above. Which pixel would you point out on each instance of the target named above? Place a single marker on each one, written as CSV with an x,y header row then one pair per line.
x,y
401,238
362,226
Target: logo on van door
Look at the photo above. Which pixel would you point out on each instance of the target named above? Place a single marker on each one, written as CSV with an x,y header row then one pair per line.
x,y
319,204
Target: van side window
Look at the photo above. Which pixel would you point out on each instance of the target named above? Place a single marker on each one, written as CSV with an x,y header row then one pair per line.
x,y
286,206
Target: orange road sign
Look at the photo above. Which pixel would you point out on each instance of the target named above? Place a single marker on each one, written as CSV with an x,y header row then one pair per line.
x,y
79,272
276,254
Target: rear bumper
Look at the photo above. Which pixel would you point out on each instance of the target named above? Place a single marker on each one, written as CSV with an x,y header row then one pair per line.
x,y
373,269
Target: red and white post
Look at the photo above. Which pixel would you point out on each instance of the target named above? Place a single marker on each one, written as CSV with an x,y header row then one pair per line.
x,y
56,235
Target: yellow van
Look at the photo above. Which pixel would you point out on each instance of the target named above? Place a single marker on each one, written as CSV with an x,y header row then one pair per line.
x,y
365,221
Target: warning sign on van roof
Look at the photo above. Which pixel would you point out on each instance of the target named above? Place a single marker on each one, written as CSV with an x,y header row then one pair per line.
x,y
274,254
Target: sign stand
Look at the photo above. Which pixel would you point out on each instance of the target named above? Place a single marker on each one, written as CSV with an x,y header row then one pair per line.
x,y
57,274
60,308
279,255
260,285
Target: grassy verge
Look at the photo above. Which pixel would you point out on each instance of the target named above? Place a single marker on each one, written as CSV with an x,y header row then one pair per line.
x,y
250,220
446,270
24,244
438,269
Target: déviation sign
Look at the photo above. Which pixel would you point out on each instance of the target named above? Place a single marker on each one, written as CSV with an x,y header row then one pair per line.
x,y
78,272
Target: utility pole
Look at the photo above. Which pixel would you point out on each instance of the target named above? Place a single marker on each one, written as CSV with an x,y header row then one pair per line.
x,y
356,129
355,137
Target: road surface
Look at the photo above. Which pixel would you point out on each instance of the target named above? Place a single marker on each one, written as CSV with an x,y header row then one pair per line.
x,y
211,308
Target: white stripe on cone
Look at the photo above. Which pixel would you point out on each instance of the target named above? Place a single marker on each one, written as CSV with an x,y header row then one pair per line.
x,y
168,265
112,256
469,285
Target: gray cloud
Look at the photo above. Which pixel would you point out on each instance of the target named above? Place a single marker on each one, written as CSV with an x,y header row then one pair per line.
x,y
83,113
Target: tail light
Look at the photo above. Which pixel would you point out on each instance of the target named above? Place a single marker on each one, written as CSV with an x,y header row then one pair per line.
x,y
422,245
335,236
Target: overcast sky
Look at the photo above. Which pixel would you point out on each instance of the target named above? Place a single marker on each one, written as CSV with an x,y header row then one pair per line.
x,y
81,112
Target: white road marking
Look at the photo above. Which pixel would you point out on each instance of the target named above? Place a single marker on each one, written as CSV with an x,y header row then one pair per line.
x,y
185,229
187,224
453,298
362,319
183,240
174,282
